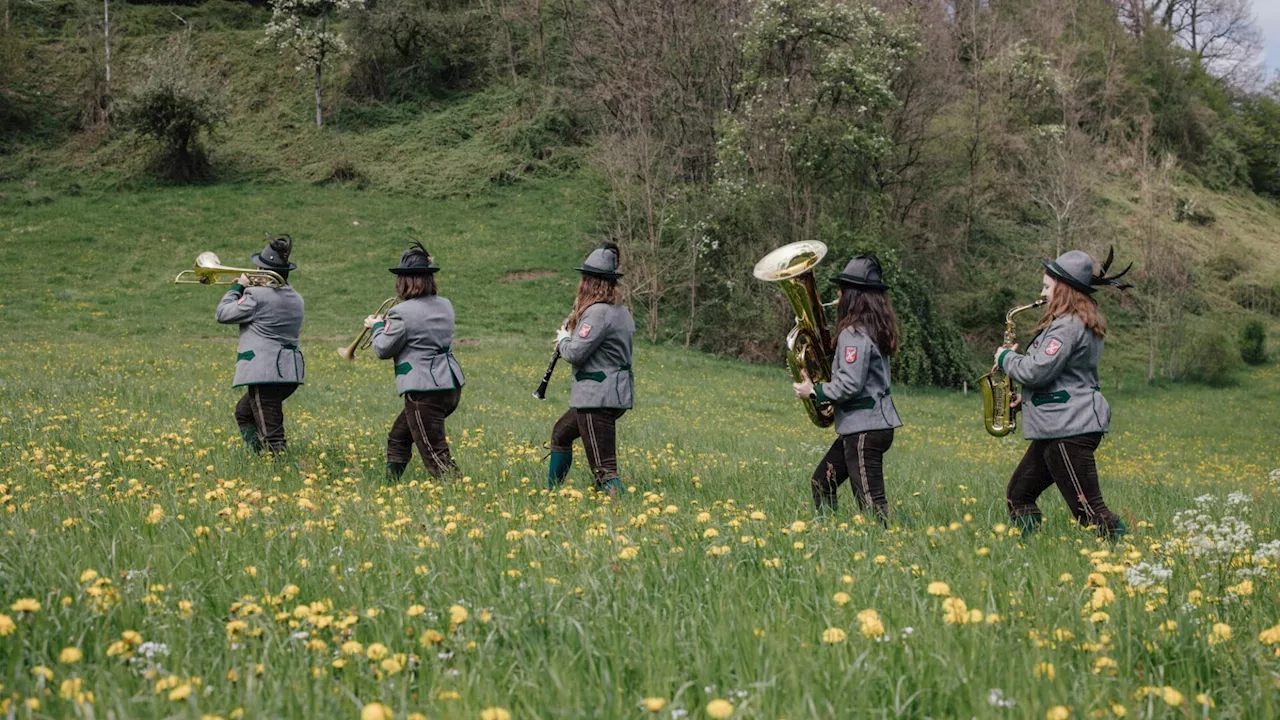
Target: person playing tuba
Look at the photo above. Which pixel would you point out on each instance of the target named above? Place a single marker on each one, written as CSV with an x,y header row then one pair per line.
x,y
269,364
418,334
865,416
1068,415
596,340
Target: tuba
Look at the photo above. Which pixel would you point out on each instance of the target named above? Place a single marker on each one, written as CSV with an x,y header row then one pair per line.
x,y
210,271
809,347
365,338
998,413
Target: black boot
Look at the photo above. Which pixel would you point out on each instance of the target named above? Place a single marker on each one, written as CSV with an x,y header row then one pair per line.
x,y
395,470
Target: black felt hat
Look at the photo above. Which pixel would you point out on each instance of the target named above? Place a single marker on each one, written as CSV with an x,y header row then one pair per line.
x,y
1075,268
415,261
275,256
863,272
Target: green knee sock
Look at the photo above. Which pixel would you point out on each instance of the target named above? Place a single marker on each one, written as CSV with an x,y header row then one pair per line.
x,y
558,468
612,486
395,470
1029,524
251,439
1117,530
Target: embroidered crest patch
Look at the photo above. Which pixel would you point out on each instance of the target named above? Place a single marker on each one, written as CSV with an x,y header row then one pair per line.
x,y
851,354
1053,347
584,331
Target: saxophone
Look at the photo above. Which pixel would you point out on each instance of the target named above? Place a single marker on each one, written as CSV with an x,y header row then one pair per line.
x,y
809,347
998,413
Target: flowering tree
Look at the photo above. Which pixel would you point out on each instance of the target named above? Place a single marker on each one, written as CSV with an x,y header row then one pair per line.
x,y
302,28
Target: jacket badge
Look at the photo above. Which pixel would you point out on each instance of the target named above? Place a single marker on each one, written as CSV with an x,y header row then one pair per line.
x,y
851,354
1053,347
584,331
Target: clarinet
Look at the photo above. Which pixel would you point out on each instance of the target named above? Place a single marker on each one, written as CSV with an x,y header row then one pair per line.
x,y
541,392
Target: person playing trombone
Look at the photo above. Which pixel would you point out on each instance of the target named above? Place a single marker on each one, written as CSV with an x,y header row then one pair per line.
x,y
418,334
599,349
269,364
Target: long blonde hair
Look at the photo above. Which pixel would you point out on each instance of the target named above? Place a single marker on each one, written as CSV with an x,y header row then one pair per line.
x,y
591,290
1067,300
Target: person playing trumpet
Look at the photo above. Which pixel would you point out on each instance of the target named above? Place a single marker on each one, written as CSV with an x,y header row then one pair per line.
x,y
865,417
599,349
1068,415
418,334
269,364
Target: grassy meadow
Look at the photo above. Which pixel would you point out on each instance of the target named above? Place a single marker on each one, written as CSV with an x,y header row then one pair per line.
x,y
150,568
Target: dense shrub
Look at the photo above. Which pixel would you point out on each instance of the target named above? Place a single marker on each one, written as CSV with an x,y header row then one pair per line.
x,y
175,106
1253,342
1212,358
413,49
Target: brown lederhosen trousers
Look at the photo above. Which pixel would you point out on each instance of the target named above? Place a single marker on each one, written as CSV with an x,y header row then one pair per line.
x,y
262,407
1067,463
862,453
421,423
598,430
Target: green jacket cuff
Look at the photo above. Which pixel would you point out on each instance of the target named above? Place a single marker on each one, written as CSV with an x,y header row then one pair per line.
x,y
821,396
378,326
237,288
1000,360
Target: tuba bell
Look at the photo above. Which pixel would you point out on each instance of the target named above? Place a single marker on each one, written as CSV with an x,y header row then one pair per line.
x,y
998,413
210,271
809,347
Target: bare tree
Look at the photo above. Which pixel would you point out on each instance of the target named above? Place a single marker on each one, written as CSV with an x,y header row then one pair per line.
x,y
1222,33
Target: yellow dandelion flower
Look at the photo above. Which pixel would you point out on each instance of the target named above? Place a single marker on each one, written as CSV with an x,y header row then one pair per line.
x,y
458,614
70,655
841,598
870,624
26,605
1102,597
1045,670
628,553
1270,636
1057,712
1221,633
1204,700
939,589
391,666
430,637
416,716
1243,588
1104,664
832,635
6,625
955,611
415,610
180,693
376,711
655,704
1118,710
495,713
1065,578
352,647
719,709
376,651
1171,697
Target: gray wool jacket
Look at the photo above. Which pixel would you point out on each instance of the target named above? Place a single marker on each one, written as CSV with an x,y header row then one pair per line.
x,y
270,321
859,386
599,349
418,333
1060,397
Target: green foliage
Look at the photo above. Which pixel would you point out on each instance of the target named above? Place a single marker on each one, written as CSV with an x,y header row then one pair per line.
x,y
1257,133
413,49
1212,355
1253,342
175,106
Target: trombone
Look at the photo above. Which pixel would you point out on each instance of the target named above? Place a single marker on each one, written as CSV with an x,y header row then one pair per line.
x,y
210,271
365,338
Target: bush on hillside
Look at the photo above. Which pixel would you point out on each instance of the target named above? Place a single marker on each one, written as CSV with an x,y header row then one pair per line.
x,y
175,107
415,49
1212,358
1253,342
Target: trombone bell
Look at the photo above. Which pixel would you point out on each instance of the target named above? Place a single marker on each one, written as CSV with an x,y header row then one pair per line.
x,y
209,270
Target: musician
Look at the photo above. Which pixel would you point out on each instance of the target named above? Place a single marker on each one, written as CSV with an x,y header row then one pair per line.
x,y
1067,415
418,333
599,349
269,364
865,416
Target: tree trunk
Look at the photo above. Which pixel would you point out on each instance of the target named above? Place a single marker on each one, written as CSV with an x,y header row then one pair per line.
x,y
319,111
106,49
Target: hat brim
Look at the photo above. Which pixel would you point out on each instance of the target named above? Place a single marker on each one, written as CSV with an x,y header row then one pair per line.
x,y
857,282
257,260
414,271
598,272
1056,271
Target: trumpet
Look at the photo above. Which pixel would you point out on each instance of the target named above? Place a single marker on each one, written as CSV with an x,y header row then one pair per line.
x,y
365,338
999,416
210,271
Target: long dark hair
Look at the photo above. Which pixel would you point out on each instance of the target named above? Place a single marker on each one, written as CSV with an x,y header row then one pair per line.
x,y
591,290
871,312
412,286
